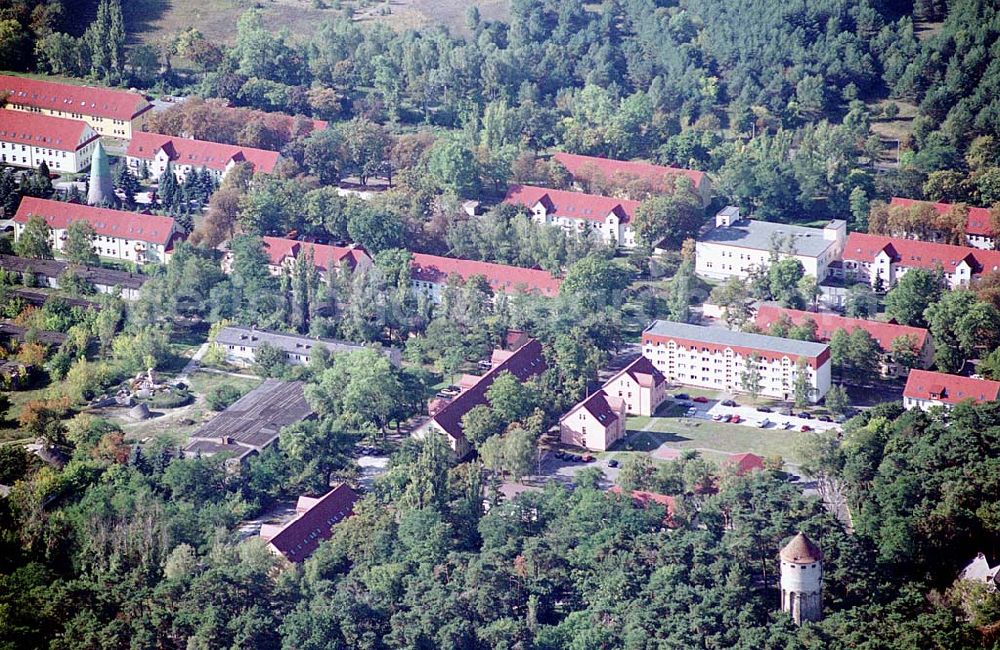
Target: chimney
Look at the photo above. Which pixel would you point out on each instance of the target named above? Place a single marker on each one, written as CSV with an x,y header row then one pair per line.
x,y
728,216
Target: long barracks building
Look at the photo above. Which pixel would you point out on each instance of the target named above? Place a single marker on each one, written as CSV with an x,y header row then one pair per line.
x,y
717,358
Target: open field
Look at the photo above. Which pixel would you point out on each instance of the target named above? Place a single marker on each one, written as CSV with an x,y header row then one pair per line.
x,y
157,21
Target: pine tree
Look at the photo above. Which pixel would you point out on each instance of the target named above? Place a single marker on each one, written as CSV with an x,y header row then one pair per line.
x,y
9,195
169,189
116,39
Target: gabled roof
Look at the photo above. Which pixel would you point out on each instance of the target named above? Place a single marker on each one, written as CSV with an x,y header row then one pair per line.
x,y
949,389
911,253
199,153
601,405
827,324
572,205
149,228
297,539
37,130
526,362
642,372
745,463
801,550
501,277
978,222
85,100
294,343
325,257
579,166
642,498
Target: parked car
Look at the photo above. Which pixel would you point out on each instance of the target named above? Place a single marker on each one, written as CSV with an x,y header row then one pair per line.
x,y
735,419
764,423
787,425
691,412
718,416
806,428
806,416
700,399
587,458
682,396
612,463
825,418
764,409
728,402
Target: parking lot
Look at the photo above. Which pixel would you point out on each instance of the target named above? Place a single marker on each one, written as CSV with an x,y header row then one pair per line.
x,y
751,417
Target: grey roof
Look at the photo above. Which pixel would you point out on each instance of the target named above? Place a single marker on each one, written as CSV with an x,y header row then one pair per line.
x,y
758,235
724,337
253,422
93,274
292,343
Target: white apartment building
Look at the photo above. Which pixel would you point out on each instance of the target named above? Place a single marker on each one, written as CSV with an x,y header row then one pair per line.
x,y
608,218
30,139
126,236
736,246
717,358
183,155
925,389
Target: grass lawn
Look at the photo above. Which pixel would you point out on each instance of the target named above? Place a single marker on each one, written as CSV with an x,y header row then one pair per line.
x,y
685,433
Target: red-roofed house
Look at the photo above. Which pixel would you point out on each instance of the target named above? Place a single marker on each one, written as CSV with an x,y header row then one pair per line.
x,y
978,232
744,463
827,324
185,155
314,521
120,235
526,362
282,253
925,389
112,113
608,218
642,499
429,274
602,171
29,139
640,385
872,257
595,423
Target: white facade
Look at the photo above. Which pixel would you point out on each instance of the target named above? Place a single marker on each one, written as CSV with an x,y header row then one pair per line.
x,y
802,589
611,229
158,165
735,247
119,248
884,270
596,423
65,162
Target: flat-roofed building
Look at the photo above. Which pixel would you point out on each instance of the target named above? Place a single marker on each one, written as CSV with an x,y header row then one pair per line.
x,y
737,246
120,235
113,113
717,358
925,389
241,344
30,139
252,423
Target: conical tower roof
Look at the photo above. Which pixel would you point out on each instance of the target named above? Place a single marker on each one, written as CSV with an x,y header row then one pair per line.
x,y
102,189
801,550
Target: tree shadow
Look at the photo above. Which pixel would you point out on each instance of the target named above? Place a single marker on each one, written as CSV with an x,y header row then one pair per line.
x,y
139,16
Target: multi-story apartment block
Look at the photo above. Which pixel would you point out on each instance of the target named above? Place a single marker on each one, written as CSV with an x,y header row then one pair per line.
x,y
184,156
978,229
925,389
881,260
113,113
586,214
716,358
30,139
591,170
737,246
127,236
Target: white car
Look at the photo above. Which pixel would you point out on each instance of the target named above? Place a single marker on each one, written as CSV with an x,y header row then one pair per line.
x,y
764,423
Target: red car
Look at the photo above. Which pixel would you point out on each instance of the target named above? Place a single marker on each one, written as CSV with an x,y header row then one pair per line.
x,y
700,399
806,428
735,419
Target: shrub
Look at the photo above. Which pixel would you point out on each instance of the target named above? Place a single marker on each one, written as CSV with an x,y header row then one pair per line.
x,y
220,397
170,399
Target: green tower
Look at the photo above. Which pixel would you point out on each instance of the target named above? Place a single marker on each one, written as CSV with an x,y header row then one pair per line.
x,y
102,189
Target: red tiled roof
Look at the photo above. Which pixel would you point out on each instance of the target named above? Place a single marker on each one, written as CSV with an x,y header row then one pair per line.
x,y
827,324
575,164
436,269
199,153
149,228
950,389
39,130
642,372
526,362
745,463
978,222
325,257
299,538
642,498
571,205
85,100
911,253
